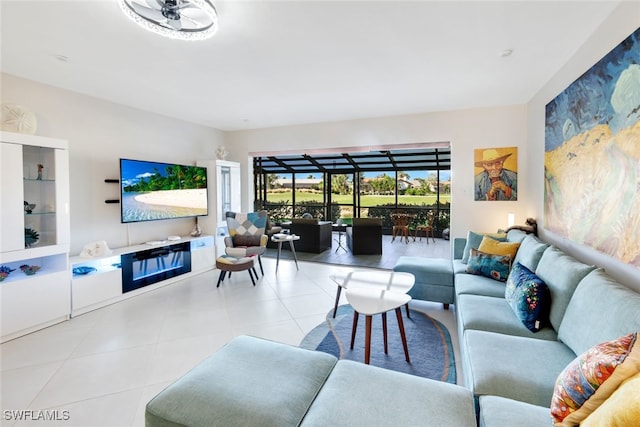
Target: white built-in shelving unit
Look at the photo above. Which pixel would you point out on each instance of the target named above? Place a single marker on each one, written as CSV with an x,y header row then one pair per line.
x,y
34,170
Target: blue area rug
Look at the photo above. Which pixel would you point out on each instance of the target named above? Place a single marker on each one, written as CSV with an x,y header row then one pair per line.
x,y
428,340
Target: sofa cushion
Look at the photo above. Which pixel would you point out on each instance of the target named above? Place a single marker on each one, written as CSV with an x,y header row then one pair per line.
x,y
502,412
592,377
601,310
516,235
493,314
474,239
250,381
530,252
477,285
403,400
528,297
621,409
432,271
433,278
492,246
493,266
519,368
561,273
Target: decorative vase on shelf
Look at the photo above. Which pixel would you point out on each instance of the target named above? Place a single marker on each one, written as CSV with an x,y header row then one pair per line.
x,y
4,272
221,153
31,237
196,231
29,207
29,270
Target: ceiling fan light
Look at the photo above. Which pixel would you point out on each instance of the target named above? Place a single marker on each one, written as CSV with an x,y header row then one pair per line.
x,y
205,28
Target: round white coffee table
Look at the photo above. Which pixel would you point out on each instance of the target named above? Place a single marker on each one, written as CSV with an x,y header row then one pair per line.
x,y
373,279
370,301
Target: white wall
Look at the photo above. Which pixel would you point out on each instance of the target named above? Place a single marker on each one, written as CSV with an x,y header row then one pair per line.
x,y
622,22
99,134
465,130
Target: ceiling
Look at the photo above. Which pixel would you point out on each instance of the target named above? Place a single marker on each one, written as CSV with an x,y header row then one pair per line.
x,y
278,63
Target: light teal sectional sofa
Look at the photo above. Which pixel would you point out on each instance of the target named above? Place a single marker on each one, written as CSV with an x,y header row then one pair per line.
x,y
511,370
255,382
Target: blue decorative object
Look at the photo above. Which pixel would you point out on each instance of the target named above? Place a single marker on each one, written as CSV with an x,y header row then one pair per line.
x,y
4,272
29,270
493,266
83,270
528,297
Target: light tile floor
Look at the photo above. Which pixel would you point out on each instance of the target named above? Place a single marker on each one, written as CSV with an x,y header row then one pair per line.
x,y
101,368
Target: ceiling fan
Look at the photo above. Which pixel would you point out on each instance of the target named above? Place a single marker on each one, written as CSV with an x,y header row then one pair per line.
x,y
184,19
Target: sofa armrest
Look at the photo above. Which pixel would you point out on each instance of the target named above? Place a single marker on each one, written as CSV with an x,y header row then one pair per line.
x,y
458,247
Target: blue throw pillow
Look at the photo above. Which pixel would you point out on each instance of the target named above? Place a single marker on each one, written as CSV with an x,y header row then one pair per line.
x,y
528,297
493,266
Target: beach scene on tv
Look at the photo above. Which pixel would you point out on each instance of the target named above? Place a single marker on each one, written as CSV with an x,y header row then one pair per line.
x,y
152,191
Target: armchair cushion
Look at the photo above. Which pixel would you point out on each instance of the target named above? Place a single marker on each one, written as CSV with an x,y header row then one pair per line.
x,y
244,240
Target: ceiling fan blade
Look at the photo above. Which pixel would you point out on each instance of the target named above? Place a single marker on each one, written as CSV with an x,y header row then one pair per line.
x,y
175,24
188,20
147,12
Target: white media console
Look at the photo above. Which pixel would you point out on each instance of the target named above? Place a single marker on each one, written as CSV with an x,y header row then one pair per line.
x,y
129,271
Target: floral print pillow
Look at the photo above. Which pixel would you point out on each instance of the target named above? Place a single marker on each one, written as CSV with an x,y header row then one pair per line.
x,y
528,297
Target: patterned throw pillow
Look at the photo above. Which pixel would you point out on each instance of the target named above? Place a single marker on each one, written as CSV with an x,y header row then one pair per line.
x,y
528,297
473,242
592,377
493,266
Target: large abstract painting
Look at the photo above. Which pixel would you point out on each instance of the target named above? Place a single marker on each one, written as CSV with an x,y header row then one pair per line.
x,y
592,156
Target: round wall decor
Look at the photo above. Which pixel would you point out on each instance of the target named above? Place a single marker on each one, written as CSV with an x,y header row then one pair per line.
x,y
15,118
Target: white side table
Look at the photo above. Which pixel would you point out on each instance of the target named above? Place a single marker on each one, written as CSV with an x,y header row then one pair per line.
x,y
340,228
373,279
281,238
370,301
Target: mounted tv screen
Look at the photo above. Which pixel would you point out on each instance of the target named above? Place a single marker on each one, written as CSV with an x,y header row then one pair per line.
x,y
151,191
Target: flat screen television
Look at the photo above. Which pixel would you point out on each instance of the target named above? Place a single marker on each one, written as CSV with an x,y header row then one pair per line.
x,y
152,191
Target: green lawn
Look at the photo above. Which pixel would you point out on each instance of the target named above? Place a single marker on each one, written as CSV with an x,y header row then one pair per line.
x,y
368,200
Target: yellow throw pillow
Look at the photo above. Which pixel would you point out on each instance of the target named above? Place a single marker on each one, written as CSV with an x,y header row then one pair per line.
x,y
621,409
494,247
